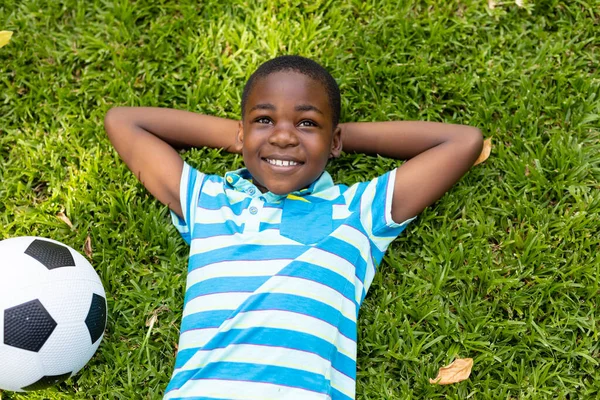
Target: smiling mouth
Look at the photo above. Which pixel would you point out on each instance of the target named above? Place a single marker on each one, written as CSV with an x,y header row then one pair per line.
x,y
282,163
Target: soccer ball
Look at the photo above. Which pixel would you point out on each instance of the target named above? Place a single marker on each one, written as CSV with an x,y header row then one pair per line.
x,y
52,313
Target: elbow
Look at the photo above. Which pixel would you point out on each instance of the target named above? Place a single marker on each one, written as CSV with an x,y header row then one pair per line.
x,y
109,119
112,120
474,141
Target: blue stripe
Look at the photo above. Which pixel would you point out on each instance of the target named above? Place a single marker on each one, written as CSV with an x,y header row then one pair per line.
x,y
205,319
179,379
344,364
356,198
348,252
185,355
337,395
221,200
378,207
203,231
323,276
264,226
301,305
376,254
246,252
255,373
225,285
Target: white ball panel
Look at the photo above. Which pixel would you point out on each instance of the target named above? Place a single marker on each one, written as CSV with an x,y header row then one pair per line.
x,y
68,301
86,355
17,269
18,368
65,349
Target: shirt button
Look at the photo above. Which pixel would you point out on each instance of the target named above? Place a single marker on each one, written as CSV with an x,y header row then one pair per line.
x,y
253,210
251,191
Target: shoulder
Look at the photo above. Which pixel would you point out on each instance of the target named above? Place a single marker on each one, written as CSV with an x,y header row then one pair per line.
x,y
377,189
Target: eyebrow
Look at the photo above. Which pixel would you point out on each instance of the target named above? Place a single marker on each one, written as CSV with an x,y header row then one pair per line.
x,y
263,106
308,107
301,107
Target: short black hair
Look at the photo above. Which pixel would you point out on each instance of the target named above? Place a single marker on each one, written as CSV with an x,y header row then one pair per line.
x,y
304,66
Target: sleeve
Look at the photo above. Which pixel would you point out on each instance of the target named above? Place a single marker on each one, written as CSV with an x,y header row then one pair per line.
x,y
189,194
373,200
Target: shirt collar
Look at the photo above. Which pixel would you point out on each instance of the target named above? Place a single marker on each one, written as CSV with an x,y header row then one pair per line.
x,y
241,180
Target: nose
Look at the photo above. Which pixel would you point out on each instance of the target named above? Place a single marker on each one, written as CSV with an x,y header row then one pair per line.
x,y
283,136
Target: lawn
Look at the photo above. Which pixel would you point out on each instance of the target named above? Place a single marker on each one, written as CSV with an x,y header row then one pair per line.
x,y
503,269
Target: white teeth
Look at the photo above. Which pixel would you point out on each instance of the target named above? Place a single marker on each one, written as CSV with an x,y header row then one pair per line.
x,y
281,163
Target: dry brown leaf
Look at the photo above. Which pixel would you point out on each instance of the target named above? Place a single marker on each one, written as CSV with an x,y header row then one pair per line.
x,y
491,4
5,37
457,371
154,317
485,151
61,215
87,247
150,322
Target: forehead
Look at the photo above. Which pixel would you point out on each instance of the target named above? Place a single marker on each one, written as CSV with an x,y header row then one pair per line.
x,y
289,87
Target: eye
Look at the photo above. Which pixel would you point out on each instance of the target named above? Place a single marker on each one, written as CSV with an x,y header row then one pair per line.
x,y
263,120
307,123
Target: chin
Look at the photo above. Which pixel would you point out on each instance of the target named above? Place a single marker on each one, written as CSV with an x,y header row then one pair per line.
x,y
280,189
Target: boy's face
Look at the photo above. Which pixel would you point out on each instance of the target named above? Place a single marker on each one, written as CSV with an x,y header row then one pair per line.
x,y
287,132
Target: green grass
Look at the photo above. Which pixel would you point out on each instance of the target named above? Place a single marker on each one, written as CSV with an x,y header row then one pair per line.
x,y
503,269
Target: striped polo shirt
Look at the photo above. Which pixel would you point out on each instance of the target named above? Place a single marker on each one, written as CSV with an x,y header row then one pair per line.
x,y
274,285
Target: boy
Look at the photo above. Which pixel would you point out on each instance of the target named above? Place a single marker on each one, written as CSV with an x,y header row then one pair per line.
x,y
280,257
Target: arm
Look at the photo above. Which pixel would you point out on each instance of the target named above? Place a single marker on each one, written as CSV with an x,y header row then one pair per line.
x,y
146,138
438,156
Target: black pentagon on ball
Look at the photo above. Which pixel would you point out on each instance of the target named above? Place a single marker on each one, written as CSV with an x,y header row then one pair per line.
x,y
47,381
27,326
51,255
96,318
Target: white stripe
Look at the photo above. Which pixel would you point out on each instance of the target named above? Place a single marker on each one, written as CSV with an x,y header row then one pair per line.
x,y
243,268
390,184
356,239
213,302
358,291
330,261
263,355
328,194
213,188
196,338
240,390
336,264
271,215
369,275
366,204
343,383
382,242
350,194
267,238
183,190
195,198
220,215
235,196
311,290
340,211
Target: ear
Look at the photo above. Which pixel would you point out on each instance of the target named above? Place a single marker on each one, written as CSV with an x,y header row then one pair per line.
x,y
240,134
336,143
